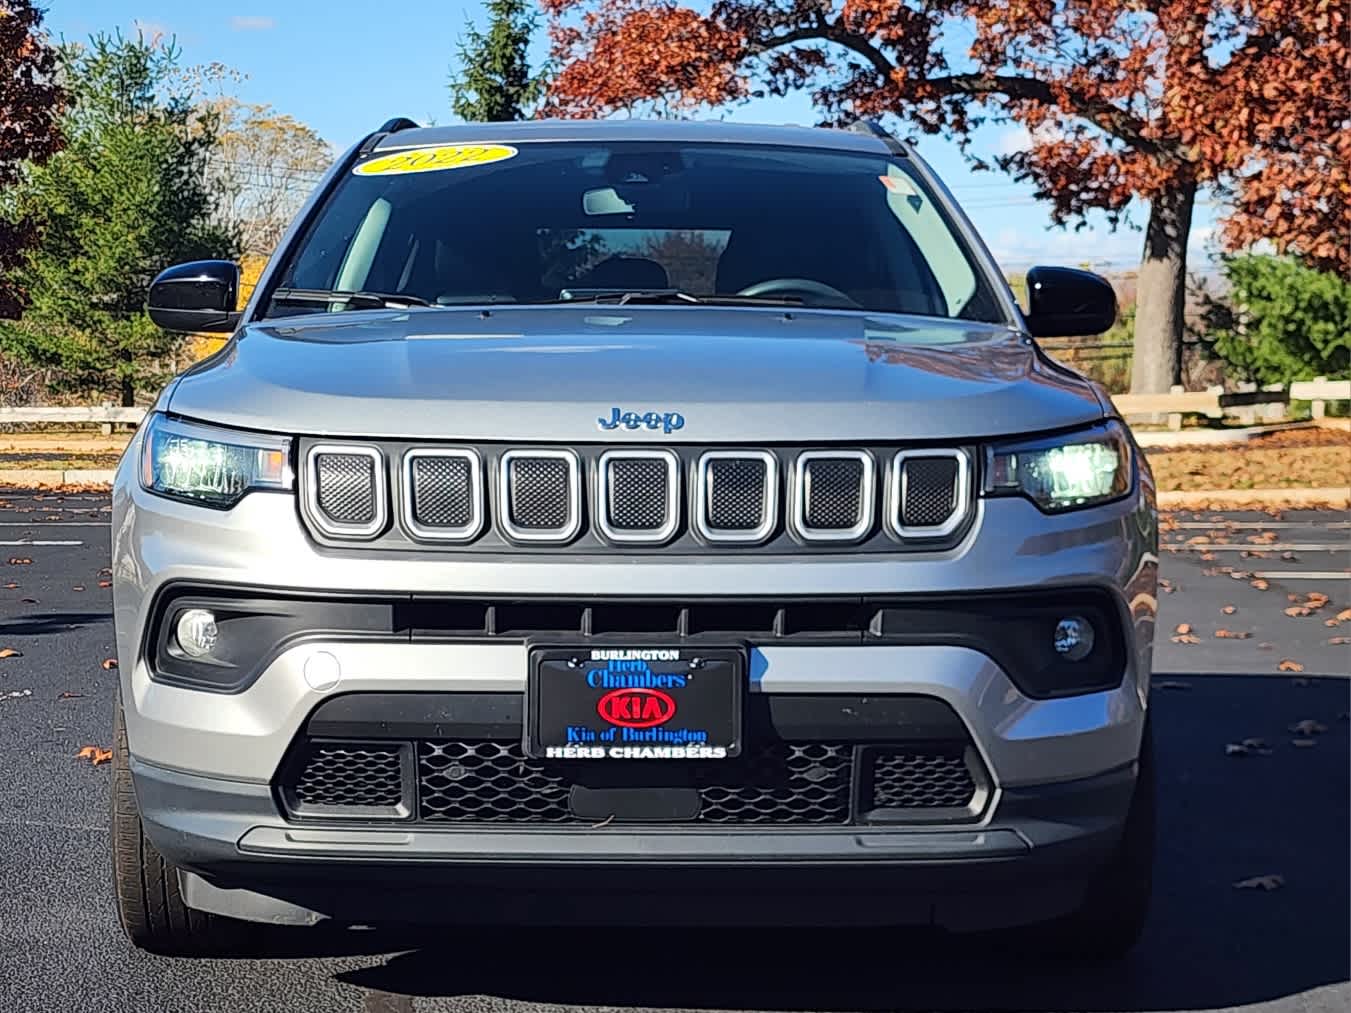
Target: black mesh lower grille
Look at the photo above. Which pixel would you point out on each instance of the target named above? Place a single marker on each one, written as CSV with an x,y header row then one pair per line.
x,y
929,491
487,781
921,780
365,775
345,490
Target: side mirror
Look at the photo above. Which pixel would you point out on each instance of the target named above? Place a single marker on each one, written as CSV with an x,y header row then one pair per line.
x,y
198,297
1063,302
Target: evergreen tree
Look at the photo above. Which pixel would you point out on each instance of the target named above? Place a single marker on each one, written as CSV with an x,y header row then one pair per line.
x,y
494,82
127,196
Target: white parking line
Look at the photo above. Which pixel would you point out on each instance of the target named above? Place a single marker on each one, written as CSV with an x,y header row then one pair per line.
x,y
39,542
55,524
1304,574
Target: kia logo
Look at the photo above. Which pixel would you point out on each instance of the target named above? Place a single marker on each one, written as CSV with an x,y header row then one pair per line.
x,y
636,708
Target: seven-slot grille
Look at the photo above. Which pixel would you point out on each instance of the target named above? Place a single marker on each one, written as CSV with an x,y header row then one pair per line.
x,y
638,496
443,493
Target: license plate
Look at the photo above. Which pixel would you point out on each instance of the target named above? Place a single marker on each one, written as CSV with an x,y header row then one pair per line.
x,y
634,703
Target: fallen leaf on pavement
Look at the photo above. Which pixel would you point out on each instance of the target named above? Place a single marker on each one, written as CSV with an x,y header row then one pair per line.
x,y
28,601
1183,628
1339,640
1198,540
1316,599
1289,557
1186,638
1264,646
1303,743
1207,557
1232,634
1272,882
68,695
1166,586
1260,584
11,586
1331,622
9,652
1307,727
109,663
1287,665
105,583
1295,611
1344,616
16,561
1229,610
95,755
14,694
1172,685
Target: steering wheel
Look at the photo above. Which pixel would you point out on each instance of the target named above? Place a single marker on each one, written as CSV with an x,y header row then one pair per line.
x,y
819,290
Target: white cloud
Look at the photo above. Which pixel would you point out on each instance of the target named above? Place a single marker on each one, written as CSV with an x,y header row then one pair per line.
x,y
1019,138
252,23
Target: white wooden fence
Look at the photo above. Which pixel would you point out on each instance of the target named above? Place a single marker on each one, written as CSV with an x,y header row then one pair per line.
x,y
1213,403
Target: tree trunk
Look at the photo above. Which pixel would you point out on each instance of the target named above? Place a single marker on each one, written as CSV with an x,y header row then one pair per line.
x,y
1161,293
128,392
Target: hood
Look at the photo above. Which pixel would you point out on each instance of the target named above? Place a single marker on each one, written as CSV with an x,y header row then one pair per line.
x,y
550,373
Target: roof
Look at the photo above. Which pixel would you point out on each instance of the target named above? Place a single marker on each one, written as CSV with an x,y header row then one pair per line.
x,y
686,131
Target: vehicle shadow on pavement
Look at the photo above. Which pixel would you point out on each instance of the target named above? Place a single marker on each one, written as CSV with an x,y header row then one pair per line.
x,y
1223,819
52,622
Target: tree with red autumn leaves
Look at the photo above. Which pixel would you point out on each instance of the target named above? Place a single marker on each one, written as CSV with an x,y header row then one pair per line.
x,y
30,102
1121,99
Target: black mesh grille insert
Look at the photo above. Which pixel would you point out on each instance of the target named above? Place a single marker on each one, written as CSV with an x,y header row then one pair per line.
x,y
366,775
493,782
443,492
345,490
921,780
639,488
929,491
539,497
833,488
736,493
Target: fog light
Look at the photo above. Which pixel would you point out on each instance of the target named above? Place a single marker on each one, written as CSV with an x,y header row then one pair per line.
x,y
196,632
1074,638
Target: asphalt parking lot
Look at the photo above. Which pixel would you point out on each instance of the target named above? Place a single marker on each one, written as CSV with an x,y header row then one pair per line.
x,y
1281,810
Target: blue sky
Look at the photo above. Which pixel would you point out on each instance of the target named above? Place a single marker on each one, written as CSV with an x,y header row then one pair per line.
x,y
344,67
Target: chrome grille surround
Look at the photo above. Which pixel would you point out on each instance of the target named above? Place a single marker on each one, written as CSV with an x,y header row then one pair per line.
x,y
899,490
442,532
801,511
610,488
571,497
705,487
379,492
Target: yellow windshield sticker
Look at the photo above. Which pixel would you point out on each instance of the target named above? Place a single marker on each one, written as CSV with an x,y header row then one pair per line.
x,y
445,156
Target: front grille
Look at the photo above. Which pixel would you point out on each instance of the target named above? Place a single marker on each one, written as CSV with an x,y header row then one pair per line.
x,y
349,778
540,495
346,488
491,781
443,493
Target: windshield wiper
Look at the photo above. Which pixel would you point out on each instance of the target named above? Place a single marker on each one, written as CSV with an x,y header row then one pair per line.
x,y
361,300
626,297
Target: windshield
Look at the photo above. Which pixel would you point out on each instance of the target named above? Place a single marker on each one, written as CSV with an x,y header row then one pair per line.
x,y
556,221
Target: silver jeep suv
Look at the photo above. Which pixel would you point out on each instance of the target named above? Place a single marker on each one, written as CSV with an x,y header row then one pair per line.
x,y
632,523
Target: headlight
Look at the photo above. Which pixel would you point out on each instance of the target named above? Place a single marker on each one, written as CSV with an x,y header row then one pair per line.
x,y
1064,472
214,467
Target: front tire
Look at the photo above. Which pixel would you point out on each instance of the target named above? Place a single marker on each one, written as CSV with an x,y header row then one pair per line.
x,y
145,887
1114,911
